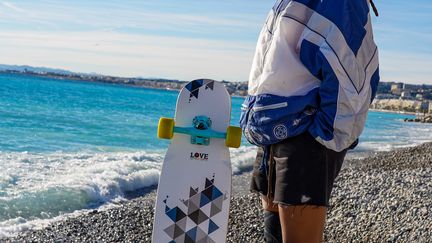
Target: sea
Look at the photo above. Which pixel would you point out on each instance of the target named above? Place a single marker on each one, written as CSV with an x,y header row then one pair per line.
x,y
67,147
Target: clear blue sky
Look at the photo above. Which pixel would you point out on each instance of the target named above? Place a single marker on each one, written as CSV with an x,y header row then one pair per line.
x,y
185,39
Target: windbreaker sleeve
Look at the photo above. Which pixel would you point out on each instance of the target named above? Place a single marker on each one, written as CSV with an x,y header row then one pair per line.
x,y
337,47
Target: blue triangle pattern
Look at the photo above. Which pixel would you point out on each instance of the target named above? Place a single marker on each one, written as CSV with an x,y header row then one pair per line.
x,y
204,200
172,214
212,227
216,193
194,85
192,233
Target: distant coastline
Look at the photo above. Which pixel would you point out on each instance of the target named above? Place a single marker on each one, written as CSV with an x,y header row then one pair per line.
x,y
233,87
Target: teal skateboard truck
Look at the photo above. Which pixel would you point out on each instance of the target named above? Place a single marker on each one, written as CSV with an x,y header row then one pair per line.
x,y
200,131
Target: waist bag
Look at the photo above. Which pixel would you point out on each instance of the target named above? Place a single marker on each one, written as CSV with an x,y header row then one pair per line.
x,y
268,119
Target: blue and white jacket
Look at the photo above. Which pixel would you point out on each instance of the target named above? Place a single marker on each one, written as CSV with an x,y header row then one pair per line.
x,y
315,69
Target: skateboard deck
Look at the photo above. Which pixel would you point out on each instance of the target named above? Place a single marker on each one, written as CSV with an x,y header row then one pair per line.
x,y
194,188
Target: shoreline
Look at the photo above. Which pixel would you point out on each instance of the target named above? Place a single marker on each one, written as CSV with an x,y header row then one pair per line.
x,y
132,82
395,112
384,197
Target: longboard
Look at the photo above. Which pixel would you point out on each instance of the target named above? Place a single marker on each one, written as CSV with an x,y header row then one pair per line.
x,y
194,187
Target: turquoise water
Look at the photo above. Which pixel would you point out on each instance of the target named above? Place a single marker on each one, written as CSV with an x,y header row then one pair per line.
x,y
68,146
46,115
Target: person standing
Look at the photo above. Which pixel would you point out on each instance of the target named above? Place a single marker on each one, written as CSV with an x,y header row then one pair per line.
x,y
313,77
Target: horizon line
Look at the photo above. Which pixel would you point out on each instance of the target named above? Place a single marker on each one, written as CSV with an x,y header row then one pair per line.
x,y
53,69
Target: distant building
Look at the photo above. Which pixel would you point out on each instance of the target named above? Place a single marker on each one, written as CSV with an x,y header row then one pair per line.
x,y
385,96
396,88
419,96
407,95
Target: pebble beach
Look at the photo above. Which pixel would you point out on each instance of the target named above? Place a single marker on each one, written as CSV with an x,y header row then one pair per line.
x,y
386,197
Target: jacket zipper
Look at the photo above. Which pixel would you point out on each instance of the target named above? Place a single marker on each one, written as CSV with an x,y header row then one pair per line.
x,y
269,107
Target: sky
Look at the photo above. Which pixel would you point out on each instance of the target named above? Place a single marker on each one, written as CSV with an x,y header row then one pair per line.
x,y
185,39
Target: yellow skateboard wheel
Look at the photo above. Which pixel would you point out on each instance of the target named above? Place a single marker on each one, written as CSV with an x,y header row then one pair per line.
x,y
165,128
233,137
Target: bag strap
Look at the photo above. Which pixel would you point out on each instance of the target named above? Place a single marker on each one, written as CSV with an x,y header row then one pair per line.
x,y
374,8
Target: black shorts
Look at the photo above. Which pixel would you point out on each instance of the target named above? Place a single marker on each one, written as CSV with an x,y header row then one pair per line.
x,y
300,171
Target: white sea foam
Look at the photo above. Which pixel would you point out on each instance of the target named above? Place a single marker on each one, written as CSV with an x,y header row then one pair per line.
x,y
242,158
38,188
35,187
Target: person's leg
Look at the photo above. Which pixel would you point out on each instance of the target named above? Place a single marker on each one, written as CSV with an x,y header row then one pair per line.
x,y
272,226
259,183
305,172
302,223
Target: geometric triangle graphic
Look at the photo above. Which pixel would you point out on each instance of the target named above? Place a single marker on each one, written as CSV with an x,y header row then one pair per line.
x,y
201,206
170,231
175,214
214,209
180,214
218,202
177,231
200,234
206,209
198,216
196,84
187,239
208,183
185,202
194,93
195,199
182,223
206,239
193,88
181,238
204,199
210,85
212,227
208,192
194,216
192,207
193,191
216,193
202,217
192,233
172,214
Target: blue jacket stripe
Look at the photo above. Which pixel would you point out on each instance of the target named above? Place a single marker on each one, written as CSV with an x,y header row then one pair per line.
x,y
321,30
374,84
350,25
328,91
